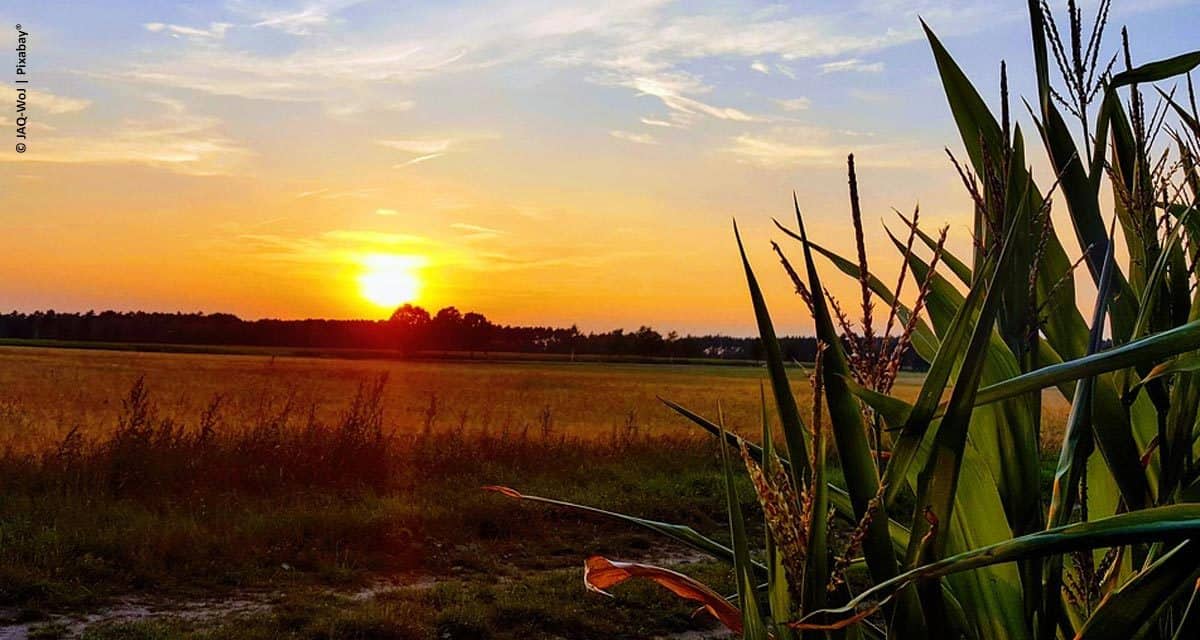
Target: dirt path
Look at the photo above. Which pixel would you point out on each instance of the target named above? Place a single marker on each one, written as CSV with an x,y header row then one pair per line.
x,y
212,610
199,610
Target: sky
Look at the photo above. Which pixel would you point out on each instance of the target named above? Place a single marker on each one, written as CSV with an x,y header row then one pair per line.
x,y
540,162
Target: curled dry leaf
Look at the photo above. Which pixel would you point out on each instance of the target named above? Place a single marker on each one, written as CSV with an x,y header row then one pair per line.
x,y
507,491
600,573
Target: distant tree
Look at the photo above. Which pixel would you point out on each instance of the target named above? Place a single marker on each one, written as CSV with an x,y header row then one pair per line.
x,y
411,326
476,332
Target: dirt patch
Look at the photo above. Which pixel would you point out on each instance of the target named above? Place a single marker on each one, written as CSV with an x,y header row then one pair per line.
x,y
199,610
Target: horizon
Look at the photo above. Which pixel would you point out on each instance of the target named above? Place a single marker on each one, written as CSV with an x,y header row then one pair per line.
x,y
329,159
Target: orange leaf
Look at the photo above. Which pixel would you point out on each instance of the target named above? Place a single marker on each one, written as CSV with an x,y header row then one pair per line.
x,y
512,493
600,573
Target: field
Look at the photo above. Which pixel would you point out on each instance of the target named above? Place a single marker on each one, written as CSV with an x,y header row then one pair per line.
x,y
198,495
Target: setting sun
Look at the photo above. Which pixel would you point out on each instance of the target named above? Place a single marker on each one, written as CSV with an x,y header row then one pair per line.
x,y
390,280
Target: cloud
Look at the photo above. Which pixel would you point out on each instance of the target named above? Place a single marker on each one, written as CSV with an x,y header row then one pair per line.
x,y
773,153
617,42
425,146
639,138
794,104
790,147
476,232
300,20
215,30
327,194
852,64
672,90
386,212
54,104
761,67
428,149
377,238
354,110
418,160
177,139
654,122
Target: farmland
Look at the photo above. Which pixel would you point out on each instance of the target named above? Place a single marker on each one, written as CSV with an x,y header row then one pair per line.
x,y
336,498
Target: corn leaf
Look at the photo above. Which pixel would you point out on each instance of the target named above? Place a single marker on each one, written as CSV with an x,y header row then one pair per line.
x,y
1134,609
680,533
1166,523
600,573
754,628
785,402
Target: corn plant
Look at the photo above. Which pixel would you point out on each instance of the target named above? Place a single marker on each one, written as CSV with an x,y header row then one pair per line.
x,y
946,531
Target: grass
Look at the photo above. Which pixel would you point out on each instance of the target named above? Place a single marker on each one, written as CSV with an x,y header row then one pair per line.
x,y
455,609
310,480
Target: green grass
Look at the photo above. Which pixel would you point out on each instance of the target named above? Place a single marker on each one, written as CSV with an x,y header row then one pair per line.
x,y
263,506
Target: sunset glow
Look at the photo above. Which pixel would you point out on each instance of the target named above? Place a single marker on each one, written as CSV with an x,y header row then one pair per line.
x,y
556,163
390,281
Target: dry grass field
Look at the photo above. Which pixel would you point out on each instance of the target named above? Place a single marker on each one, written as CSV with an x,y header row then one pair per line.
x,y
317,499
46,392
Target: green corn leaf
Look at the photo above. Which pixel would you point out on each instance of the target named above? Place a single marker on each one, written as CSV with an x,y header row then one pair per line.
x,y
1154,280
779,595
1072,459
1188,363
976,125
1155,524
1158,70
754,628
680,533
839,499
1189,624
923,339
858,464
1084,207
1149,349
917,420
938,481
894,411
957,267
1005,435
785,402
816,574
1077,442
1133,610
1184,116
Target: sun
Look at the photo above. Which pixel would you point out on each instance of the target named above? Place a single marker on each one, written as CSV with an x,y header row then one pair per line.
x,y
390,280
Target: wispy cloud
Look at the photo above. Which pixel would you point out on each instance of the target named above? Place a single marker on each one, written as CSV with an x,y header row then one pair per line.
x,y
374,237
794,104
215,30
774,153
418,160
851,65
424,146
177,139
761,67
54,104
655,122
790,147
676,91
300,20
329,194
476,232
622,43
639,138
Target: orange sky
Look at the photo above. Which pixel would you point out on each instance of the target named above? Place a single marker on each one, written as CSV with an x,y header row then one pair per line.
x,y
541,162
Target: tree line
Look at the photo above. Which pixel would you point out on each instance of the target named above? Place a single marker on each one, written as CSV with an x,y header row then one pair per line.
x,y
410,331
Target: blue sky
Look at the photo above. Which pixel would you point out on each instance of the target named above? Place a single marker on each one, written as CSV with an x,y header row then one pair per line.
x,y
566,162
